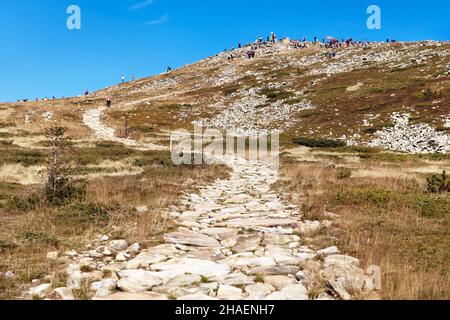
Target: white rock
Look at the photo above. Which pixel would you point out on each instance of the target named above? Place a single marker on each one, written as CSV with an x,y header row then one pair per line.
x,y
329,251
134,249
136,281
104,287
258,291
237,279
137,296
40,291
121,257
279,282
191,238
203,268
340,260
118,245
292,292
229,293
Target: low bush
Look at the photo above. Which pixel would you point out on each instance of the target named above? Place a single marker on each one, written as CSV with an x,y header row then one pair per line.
x,y
38,237
438,183
85,214
319,142
432,206
343,173
362,196
22,203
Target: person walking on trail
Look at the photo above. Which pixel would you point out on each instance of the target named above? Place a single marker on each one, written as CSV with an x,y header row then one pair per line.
x,y
108,102
123,79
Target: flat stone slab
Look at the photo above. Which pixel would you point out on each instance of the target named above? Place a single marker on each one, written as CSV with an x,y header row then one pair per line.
x,y
247,243
203,268
292,292
191,238
275,270
136,281
258,222
147,296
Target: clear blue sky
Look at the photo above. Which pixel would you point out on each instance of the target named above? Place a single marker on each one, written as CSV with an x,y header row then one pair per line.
x,y
40,57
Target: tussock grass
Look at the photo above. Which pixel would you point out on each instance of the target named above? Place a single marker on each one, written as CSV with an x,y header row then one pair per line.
x,y
29,228
390,221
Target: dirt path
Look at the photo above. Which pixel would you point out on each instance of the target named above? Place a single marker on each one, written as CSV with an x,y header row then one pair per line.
x,y
92,119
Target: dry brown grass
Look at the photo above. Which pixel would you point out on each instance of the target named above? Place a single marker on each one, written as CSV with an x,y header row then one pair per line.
x,y
386,220
29,230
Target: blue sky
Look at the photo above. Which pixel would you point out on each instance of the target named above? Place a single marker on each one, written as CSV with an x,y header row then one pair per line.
x,y
40,57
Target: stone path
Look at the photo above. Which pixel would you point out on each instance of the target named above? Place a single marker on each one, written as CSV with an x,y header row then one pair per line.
x,y
92,119
237,239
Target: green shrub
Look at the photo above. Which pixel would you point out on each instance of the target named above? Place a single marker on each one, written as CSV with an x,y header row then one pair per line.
x,y
40,238
319,142
432,206
154,158
438,183
362,196
276,94
22,204
343,173
84,214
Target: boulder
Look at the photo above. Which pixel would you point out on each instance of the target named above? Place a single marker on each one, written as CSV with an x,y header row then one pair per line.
x,y
136,281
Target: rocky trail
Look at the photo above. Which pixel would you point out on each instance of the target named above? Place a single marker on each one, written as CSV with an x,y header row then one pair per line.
x,y
92,119
236,239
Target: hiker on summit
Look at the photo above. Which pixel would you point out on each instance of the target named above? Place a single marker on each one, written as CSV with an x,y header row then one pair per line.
x,y
123,79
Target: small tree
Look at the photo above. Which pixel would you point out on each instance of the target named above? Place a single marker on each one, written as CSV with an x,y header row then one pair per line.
x,y
58,185
438,183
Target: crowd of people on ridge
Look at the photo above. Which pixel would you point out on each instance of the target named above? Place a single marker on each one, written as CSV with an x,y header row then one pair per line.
x,y
328,42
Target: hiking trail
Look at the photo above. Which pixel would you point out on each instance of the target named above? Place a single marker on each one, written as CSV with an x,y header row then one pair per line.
x,y
236,239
